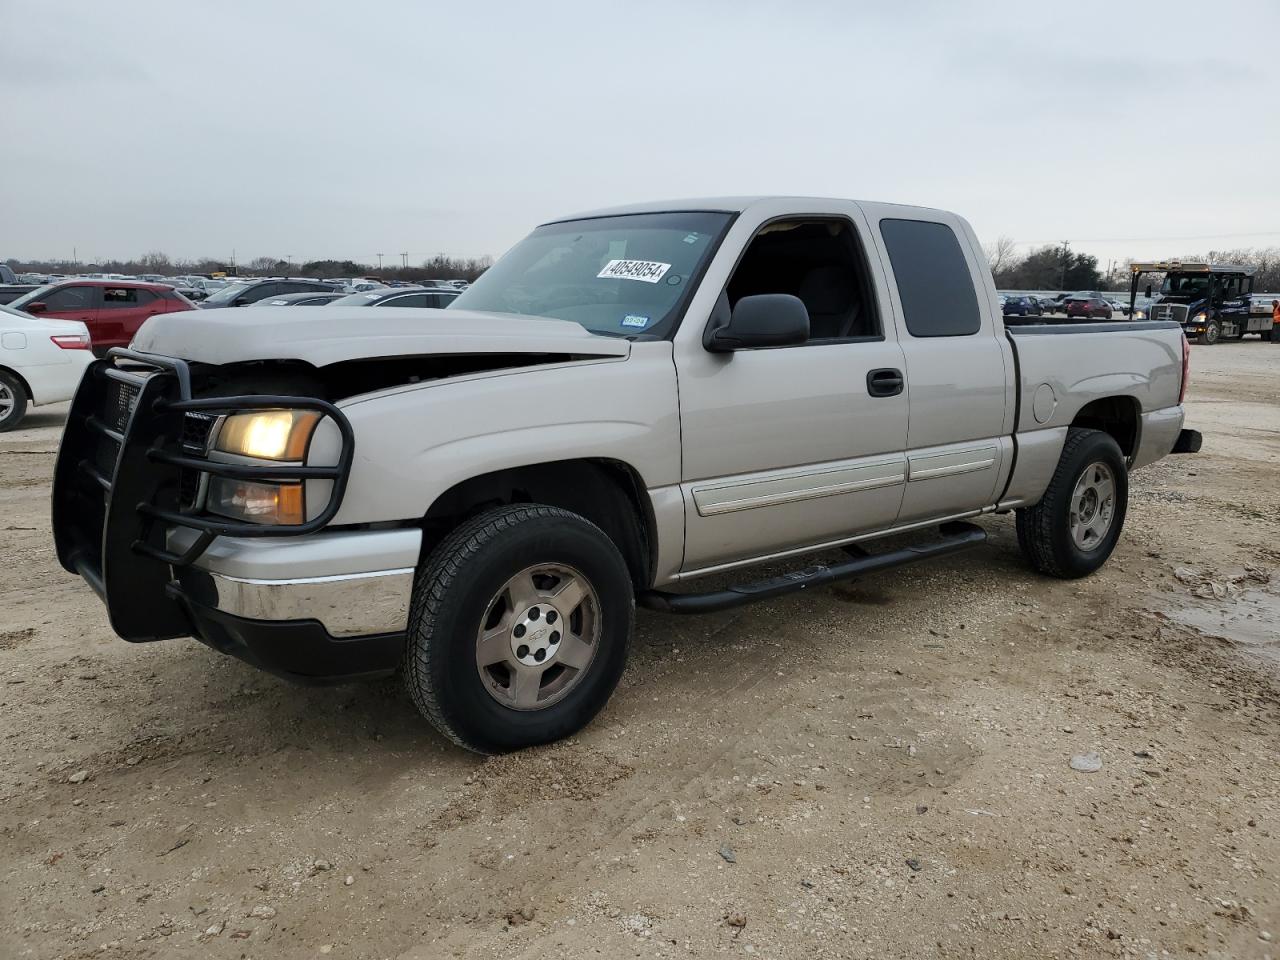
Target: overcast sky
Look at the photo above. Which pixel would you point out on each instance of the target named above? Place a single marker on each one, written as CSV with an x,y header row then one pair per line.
x,y
338,129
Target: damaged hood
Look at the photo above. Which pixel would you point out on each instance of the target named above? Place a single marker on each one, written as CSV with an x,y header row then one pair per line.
x,y
324,335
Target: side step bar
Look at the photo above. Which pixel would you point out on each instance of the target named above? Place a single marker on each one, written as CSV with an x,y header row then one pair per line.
x,y
955,538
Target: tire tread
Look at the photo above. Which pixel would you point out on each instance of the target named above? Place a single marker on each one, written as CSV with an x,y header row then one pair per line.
x,y
435,580
1035,523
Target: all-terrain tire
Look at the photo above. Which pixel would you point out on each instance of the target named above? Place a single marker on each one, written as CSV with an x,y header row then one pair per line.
x,y
1045,530
454,593
12,412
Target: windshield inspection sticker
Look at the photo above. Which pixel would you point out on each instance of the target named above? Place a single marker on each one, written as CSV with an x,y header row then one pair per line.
x,y
647,271
634,320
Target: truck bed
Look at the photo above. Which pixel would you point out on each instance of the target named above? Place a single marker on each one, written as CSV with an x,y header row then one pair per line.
x,y
1123,370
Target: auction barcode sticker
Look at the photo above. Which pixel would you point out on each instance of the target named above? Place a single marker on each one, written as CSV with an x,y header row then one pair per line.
x,y
648,271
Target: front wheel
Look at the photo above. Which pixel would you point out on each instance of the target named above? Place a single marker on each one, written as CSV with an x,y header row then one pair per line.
x,y
519,629
13,401
1212,333
1074,528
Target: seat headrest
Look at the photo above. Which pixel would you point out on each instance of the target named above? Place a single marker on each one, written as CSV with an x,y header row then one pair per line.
x,y
828,290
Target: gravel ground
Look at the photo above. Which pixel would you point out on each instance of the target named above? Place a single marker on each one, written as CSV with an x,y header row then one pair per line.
x,y
881,769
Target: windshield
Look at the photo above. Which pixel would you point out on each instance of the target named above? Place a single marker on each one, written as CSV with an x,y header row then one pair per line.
x,y
228,293
1181,285
619,276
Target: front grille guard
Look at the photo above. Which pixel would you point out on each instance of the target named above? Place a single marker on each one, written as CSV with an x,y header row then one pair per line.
x,y
166,450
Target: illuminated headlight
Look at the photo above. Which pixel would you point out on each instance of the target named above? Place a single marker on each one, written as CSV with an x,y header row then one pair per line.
x,y
268,434
1199,318
273,504
274,435
1140,314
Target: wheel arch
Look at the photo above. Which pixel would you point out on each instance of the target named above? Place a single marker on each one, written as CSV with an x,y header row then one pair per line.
x,y
610,493
1119,416
22,381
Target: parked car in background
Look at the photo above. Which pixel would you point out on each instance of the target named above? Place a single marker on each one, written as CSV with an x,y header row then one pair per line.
x,y
400,297
1017,305
207,285
362,284
1091,308
1048,305
185,288
113,310
244,294
41,361
309,299
1118,307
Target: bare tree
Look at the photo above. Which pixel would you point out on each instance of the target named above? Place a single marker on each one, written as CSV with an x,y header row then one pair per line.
x,y
1001,254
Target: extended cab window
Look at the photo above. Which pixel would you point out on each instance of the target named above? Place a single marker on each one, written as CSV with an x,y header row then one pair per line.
x,y
821,262
934,283
622,276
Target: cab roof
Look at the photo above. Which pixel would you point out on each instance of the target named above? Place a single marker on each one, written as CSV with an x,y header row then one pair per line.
x,y
709,205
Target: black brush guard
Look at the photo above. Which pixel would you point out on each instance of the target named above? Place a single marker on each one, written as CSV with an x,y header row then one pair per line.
x,y
117,486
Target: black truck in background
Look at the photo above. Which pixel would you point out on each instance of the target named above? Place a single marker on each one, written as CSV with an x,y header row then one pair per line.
x,y
10,289
1210,301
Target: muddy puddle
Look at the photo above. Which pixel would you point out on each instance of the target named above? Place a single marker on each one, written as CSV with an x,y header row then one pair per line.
x,y
1248,619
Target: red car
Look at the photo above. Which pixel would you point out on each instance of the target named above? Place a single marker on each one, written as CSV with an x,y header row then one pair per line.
x,y
1090,308
113,310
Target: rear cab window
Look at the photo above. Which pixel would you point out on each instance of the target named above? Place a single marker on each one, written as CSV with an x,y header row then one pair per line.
x,y
933,278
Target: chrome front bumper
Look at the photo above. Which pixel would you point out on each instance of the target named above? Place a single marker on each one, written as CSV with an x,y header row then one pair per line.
x,y
356,583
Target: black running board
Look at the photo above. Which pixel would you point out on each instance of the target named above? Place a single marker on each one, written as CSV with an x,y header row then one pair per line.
x,y
955,538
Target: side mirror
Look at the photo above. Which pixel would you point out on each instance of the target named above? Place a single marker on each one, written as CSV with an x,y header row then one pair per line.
x,y
764,320
38,307
1148,293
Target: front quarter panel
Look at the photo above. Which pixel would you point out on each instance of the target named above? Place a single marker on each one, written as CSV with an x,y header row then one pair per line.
x,y
413,444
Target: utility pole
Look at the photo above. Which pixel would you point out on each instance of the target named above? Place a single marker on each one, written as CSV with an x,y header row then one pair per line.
x,y
1065,244
379,263
404,260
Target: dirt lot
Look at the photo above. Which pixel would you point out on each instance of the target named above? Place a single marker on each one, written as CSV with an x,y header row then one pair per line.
x,y
873,770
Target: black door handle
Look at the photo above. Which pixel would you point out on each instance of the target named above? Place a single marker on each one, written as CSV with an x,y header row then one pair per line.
x,y
884,383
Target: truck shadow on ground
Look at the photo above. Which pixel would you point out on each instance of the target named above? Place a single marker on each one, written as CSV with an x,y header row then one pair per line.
x,y
204,702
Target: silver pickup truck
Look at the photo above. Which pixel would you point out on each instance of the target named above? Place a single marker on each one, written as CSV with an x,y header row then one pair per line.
x,y
628,403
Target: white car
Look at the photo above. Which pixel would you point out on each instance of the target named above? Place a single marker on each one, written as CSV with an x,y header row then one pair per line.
x,y
362,285
41,361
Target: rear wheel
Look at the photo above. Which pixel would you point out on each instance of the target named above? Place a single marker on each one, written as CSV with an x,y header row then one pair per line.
x,y
520,628
13,401
1074,528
